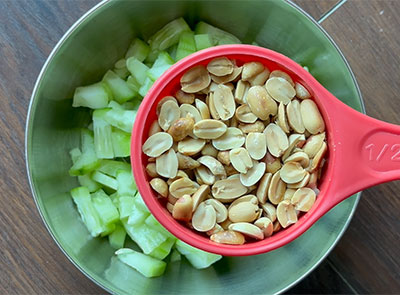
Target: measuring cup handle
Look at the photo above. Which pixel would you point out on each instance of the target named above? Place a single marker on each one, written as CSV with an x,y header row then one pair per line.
x,y
364,152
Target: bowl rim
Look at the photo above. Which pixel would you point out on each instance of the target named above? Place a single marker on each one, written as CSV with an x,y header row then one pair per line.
x,y
30,117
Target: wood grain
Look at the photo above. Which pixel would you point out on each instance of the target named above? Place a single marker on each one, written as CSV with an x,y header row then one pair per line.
x,y
316,8
364,261
31,263
368,35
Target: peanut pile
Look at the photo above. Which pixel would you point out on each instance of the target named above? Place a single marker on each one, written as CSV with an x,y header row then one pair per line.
x,y
237,152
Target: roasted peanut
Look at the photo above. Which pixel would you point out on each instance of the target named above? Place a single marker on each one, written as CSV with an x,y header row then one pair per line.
x,y
195,79
157,144
181,128
228,237
204,218
169,113
280,89
183,97
232,138
260,102
160,186
256,144
182,209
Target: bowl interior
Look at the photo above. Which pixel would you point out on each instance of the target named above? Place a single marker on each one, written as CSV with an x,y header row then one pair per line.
x,y
93,45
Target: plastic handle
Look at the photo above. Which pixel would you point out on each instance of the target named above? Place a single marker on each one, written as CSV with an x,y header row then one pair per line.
x,y
365,152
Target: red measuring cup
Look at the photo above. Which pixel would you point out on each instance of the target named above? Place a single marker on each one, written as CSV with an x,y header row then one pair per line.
x,y
362,151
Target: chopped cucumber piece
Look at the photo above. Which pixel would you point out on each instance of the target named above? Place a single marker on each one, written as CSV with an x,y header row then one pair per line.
x,y
110,167
121,142
140,203
88,160
186,45
87,181
146,87
107,229
168,35
146,265
117,237
102,135
138,49
105,180
115,105
137,216
163,250
122,119
162,63
133,83
172,51
120,69
126,183
153,223
175,256
125,206
89,215
218,36
84,180
203,41
120,89
95,96
105,208
137,69
198,258
144,236
75,153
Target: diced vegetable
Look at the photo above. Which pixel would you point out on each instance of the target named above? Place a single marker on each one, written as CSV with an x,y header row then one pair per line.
x,y
88,160
138,49
120,89
162,63
137,69
144,236
126,183
111,167
117,237
153,223
125,206
107,229
102,135
146,87
84,180
121,119
137,216
146,265
95,96
186,45
133,83
89,215
168,35
105,208
105,180
75,153
198,258
120,69
121,142
163,250
202,41
140,203
175,256
218,36
87,181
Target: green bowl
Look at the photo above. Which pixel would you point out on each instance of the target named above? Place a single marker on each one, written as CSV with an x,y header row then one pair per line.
x,y
94,44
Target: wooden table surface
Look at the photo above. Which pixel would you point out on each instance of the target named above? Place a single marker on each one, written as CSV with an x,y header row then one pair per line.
x,y
366,260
